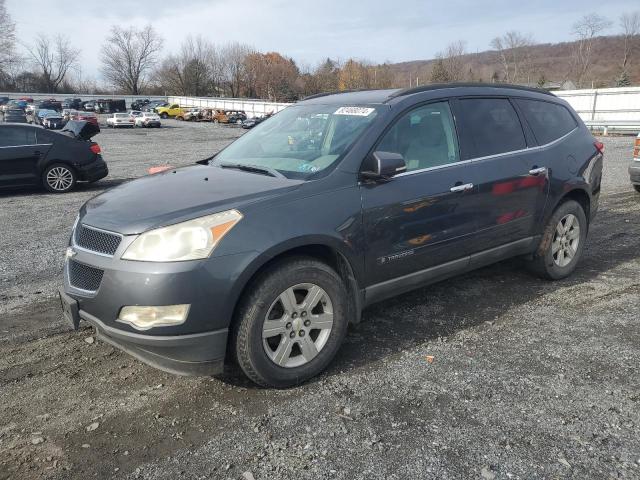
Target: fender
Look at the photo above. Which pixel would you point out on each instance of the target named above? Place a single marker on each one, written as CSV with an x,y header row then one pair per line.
x,y
350,262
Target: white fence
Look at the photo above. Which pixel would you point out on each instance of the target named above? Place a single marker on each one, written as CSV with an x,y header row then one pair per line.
x,y
253,108
605,104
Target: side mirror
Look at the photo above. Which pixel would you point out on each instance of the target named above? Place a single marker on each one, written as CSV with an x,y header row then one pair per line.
x,y
384,165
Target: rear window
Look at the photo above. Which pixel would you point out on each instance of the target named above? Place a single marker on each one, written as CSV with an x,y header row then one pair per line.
x,y
493,126
549,121
121,115
15,136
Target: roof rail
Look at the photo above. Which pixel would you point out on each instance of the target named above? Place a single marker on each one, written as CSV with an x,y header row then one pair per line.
x,y
438,86
337,92
323,94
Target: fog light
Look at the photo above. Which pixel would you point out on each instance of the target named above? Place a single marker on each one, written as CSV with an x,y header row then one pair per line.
x,y
144,318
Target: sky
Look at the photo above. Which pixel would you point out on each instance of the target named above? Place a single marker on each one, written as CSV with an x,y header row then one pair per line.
x,y
312,30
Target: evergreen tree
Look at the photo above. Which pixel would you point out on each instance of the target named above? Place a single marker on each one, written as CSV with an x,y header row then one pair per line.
x,y
439,73
623,80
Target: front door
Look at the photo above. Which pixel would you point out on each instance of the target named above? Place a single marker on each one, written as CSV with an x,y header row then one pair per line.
x,y
423,217
19,155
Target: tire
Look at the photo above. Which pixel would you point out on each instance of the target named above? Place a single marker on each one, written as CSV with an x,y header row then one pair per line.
x,y
261,360
637,187
59,178
164,116
558,253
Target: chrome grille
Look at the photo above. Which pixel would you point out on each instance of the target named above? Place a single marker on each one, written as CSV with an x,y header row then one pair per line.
x,y
97,241
84,277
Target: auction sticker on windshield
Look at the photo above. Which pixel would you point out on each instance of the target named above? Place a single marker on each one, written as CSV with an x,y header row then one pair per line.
x,y
357,111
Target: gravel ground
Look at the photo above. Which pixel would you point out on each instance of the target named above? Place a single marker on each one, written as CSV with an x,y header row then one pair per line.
x,y
490,375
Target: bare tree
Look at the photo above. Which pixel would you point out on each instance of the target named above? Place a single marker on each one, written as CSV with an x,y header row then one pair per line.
x,y
454,61
586,30
7,42
128,57
53,57
232,58
514,53
188,72
630,23
450,65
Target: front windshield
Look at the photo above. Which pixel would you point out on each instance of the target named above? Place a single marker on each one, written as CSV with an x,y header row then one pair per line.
x,y
301,140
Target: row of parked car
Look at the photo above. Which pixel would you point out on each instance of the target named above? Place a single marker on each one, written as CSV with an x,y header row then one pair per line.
x,y
134,118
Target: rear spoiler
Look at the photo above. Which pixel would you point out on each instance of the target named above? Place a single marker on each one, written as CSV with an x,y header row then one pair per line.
x,y
80,129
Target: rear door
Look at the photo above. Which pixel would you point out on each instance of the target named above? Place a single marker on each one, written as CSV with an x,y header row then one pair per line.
x,y
19,156
512,182
423,217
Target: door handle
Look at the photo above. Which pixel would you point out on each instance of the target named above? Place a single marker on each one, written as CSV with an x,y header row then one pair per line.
x,y
537,170
462,188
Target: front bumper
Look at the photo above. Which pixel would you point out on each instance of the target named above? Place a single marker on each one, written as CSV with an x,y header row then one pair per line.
x,y
194,354
196,347
634,172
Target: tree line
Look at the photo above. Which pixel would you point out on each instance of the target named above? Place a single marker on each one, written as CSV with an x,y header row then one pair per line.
x,y
132,62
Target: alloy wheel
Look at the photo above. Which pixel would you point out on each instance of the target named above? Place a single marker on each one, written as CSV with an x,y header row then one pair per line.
x,y
59,179
565,240
297,325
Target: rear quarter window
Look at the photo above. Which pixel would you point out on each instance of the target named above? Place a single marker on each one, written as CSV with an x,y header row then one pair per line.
x,y
549,121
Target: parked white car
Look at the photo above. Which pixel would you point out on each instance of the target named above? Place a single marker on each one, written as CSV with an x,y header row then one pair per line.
x,y
148,119
120,120
134,113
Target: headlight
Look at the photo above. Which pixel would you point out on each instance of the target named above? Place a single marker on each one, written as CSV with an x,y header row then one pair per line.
x,y
191,240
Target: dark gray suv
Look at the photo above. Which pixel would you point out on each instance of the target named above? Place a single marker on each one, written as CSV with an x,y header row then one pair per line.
x,y
265,252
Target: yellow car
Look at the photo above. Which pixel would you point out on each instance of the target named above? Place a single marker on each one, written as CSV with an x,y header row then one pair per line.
x,y
169,111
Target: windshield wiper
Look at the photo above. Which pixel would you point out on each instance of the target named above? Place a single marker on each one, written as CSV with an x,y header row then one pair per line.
x,y
253,168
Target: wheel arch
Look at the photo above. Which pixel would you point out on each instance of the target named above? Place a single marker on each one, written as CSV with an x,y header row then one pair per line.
x,y
578,193
322,249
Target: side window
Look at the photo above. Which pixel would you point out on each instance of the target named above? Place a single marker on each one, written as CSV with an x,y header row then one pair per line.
x,y
426,137
549,121
493,125
12,137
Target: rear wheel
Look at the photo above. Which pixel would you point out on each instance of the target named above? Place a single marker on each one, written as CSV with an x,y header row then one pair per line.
x,y
164,115
291,323
637,187
59,178
562,242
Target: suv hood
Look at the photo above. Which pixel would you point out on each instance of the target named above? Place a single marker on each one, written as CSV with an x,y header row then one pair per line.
x,y
177,195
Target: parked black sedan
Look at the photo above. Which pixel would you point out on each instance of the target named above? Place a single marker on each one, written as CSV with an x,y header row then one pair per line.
x,y
32,156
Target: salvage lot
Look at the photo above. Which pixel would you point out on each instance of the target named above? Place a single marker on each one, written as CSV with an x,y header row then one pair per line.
x,y
495,374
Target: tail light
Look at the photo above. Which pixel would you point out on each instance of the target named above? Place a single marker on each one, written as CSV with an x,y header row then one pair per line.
x,y
599,146
95,148
636,149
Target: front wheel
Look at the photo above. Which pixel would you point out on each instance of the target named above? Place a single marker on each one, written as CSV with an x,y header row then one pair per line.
x,y
164,115
291,323
637,187
562,242
59,178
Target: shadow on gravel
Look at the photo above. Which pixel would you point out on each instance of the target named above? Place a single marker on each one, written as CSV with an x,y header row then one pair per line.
x,y
441,309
